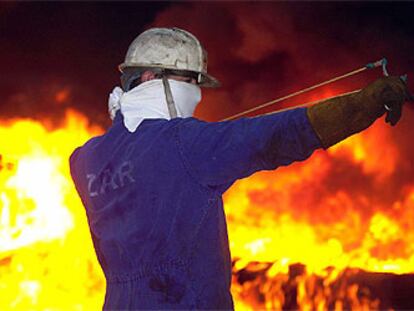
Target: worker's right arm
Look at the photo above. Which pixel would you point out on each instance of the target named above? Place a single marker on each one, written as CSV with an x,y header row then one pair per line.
x,y
220,153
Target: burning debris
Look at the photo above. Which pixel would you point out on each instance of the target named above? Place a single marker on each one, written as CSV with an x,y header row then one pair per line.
x,y
348,289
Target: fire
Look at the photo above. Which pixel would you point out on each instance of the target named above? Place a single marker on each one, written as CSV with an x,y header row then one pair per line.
x,y
300,237
314,236
46,257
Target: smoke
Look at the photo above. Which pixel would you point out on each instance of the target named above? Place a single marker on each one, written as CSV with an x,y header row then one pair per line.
x,y
262,51
45,47
259,51
49,102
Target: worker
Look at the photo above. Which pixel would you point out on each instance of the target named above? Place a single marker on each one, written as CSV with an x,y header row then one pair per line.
x,y
152,185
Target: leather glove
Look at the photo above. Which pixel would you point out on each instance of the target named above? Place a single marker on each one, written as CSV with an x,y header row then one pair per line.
x,y
335,119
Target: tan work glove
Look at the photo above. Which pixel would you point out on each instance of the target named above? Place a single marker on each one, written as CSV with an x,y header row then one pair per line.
x,y
335,119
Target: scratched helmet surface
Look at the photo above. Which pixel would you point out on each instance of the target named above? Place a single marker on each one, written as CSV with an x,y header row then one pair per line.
x,y
169,48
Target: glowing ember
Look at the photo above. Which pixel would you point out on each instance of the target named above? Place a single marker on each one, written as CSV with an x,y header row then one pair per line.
x,y
300,236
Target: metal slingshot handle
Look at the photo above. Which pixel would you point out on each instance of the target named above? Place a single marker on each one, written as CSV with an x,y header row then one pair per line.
x,y
383,63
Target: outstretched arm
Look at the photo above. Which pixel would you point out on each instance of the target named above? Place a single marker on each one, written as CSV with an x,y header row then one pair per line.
x,y
220,153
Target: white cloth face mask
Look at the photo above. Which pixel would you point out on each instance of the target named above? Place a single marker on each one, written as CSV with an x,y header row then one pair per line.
x,y
147,101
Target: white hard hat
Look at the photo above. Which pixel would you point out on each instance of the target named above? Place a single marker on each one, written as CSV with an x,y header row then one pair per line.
x,y
170,49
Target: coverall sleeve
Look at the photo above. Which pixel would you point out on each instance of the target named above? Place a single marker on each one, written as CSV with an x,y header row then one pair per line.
x,y
219,153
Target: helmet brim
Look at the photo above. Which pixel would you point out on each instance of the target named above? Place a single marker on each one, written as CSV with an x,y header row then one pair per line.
x,y
206,79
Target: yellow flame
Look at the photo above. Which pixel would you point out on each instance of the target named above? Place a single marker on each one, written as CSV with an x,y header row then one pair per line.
x,y
46,257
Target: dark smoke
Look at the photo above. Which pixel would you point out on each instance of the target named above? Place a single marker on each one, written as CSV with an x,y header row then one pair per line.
x,y
262,51
77,45
259,50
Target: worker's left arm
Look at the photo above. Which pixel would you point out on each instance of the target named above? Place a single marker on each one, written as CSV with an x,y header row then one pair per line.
x,y
220,153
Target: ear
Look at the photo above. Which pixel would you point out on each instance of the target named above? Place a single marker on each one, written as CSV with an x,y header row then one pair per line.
x,y
147,75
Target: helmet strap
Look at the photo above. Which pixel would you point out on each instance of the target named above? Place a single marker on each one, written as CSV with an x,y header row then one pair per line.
x,y
168,96
128,77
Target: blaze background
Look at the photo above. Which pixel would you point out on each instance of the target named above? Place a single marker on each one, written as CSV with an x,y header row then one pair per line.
x,y
56,56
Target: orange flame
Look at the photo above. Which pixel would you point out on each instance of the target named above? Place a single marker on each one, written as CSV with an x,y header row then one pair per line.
x,y
278,218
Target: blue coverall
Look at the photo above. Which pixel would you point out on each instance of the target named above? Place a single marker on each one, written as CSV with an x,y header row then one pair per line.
x,y
153,199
